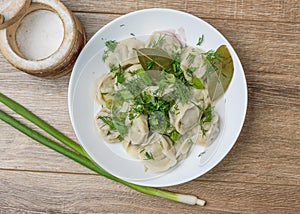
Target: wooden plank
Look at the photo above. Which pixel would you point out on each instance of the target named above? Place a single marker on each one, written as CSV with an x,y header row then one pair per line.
x,y
274,10
271,127
258,156
26,192
105,6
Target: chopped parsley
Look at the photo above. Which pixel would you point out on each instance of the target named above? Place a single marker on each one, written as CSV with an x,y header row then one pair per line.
x,y
206,117
190,71
145,104
158,122
113,68
198,83
111,46
120,75
200,40
149,64
157,43
149,156
202,153
174,135
212,58
108,121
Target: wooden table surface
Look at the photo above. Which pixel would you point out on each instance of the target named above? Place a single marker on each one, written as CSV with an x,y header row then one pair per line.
x,y
261,174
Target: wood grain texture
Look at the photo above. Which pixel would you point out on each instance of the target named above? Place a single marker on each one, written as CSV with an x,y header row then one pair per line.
x,y
63,193
274,10
261,174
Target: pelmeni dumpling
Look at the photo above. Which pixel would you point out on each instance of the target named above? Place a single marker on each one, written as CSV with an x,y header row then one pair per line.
x,y
124,54
158,153
139,129
182,147
200,97
184,116
106,89
106,132
212,131
132,150
165,41
129,74
192,63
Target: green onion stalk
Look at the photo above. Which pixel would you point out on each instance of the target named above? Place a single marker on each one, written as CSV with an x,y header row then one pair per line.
x,y
76,152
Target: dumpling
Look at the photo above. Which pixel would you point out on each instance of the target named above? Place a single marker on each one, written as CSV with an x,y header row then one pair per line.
x,y
192,63
200,97
158,153
124,53
129,148
182,147
108,133
212,131
138,131
129,74
165,41
184,116
106,89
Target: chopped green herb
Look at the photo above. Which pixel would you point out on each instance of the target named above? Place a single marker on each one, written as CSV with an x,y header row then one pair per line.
x,y
206,117
122,25
198,83
202,153
171,78
149,65
212,58
190,71
176,107
120,138
157,43
162,85
174,135
158,122
200,40
111,46
113,68
120,75
120,125
108,121
178,72
125,93
144,77
149,156
132,34
108,103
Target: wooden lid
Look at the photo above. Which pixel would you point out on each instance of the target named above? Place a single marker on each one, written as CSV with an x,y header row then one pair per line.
x,y
11,11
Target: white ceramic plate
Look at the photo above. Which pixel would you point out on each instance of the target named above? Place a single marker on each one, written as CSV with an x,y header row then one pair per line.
x,y
83,106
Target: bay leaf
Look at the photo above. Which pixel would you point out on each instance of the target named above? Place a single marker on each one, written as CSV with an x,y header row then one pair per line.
x,y
220,73
154,59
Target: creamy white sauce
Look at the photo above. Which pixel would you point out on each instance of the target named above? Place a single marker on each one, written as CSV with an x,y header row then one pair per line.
x,y
40,34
